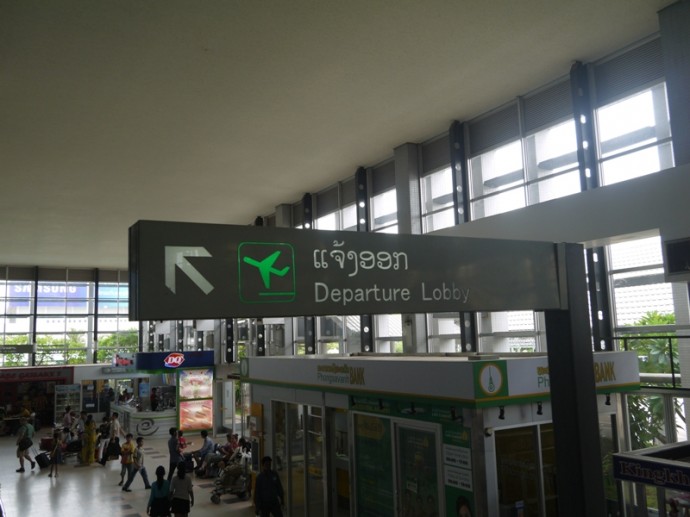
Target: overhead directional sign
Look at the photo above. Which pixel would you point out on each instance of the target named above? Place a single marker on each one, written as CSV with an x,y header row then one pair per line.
x,y
201,271
176,257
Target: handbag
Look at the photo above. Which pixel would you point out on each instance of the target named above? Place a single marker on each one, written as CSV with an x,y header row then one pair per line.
x,y
25,443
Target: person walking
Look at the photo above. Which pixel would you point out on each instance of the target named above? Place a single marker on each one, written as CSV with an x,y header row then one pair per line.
x,y
25,435
159,499
138,466
268,493
175,453
181,493
126,458
56,453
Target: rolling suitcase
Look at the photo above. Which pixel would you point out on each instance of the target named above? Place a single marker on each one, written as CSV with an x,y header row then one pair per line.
x,y
42,460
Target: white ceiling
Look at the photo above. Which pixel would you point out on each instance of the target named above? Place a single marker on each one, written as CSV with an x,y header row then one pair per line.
x,y
218,110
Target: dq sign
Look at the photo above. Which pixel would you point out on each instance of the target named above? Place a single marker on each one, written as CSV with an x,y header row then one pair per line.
x,y
161,361
174,360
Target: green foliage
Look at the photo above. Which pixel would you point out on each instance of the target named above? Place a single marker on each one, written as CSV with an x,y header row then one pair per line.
x,y
111,344
646,412
652,350
71,348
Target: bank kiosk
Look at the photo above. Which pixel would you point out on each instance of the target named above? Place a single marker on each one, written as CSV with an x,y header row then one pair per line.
x,y
383,435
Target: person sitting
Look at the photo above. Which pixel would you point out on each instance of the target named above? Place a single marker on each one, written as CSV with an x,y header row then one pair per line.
x,y
206,448
237,464
213,458
220,459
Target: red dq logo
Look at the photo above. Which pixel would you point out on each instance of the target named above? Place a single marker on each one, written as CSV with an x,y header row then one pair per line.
x,y
174,360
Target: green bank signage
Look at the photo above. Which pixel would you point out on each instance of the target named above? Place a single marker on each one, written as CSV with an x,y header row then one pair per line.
x,y
188,270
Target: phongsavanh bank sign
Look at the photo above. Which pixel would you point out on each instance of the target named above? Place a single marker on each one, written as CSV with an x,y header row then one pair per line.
x,y
189,270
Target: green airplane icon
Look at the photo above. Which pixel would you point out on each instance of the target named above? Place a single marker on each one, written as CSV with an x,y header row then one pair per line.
x,y
266,268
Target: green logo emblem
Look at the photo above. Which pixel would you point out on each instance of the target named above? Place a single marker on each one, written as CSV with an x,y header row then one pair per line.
x,y
266,272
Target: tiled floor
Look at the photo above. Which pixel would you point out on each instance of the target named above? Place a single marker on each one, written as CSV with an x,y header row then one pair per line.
x,y
94,490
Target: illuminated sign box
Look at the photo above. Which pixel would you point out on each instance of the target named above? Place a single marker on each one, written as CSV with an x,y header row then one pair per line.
x,y
157,360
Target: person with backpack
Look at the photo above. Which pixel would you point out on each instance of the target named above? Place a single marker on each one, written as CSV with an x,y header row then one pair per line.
x,y
25,435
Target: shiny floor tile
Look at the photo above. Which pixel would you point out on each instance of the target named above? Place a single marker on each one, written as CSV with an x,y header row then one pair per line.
x,y
94,490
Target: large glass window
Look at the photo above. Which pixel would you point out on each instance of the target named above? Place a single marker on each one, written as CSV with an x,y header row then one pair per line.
x,y
67,322
349,218
496,180
437,200
511,332
444,332
327,222
551,159
634,136
540,167
637,280
389,333
384,208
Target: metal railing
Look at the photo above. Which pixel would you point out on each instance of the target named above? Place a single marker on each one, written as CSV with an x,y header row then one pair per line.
x,y
657,356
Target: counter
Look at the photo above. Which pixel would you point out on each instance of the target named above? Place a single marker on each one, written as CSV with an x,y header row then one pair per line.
x,y
149,424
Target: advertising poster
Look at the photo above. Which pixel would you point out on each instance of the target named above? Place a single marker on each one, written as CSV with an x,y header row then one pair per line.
x,y
196,415
195,392
418,470
374,466
457,470
196,384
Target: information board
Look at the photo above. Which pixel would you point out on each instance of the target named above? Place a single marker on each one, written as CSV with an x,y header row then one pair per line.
x,y
189,270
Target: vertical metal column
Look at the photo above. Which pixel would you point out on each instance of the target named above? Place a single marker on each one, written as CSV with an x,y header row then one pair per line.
x,y
179,331
141,338
461,208
597,274
584,126
34,311
229,340
309,321
573,395
260,338
366,334
674,21
458,163
407,166
151,337
597,280
96,282
283,219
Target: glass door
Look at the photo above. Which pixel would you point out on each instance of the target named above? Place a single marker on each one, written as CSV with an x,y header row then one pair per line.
x,y
526,471
315,461
419,483
338,463
517,467
296,459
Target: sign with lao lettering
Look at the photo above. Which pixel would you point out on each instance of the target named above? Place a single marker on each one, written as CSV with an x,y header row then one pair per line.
x,y
190,270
